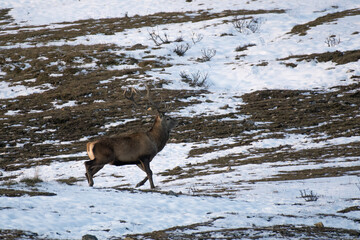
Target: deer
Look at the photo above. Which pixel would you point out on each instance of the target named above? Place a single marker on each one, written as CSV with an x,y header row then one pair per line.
x,y
137,148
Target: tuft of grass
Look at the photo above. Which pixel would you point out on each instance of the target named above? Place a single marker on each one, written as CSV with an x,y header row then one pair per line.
x,y
69,181
244,47
31,181
179,39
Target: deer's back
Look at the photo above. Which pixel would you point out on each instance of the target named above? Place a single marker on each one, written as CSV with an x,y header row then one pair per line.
x,y
126,148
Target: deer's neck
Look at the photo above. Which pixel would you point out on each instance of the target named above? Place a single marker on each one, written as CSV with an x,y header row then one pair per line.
x,y
159,135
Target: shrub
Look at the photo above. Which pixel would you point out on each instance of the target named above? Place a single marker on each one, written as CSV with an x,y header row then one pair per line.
x,y
332,41
179,39
196,37
31,181
246,26
207,54
309,197
195,79
158,39
181,49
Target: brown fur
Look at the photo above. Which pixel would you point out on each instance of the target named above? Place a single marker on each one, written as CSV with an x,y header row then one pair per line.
x,y
136,148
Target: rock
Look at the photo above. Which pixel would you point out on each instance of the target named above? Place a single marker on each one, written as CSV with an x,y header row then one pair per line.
x,y
319,225
89,237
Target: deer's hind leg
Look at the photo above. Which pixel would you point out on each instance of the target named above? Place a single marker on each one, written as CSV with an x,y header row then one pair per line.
x,y
145,166
145,179
91,170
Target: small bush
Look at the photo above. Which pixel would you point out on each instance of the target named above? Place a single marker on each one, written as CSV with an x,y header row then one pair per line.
x,y
195,79
332,41
181,49
243,25
309,197
207,55
31,181
159,39
193,190
179,39
196,37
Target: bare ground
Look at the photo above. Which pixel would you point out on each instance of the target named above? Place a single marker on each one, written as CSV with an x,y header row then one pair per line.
x,y
27,138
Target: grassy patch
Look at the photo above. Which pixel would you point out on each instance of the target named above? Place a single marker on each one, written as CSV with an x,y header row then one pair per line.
x,y
19,193
244,47
96,92
13,234
285,112
198,231
302,29
5,18
337,57
31,181
109,26
350,209
68,181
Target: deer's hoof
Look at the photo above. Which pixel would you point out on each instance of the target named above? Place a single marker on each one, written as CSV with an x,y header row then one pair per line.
x,y
90,181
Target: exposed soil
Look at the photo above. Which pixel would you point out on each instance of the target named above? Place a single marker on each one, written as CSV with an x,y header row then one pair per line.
x,y
302,29
110,26
316,114
9,234
276,232
336,57
19,193
35,128
5,18
96,103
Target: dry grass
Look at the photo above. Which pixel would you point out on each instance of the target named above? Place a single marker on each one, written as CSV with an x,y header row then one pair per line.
x,y
302,29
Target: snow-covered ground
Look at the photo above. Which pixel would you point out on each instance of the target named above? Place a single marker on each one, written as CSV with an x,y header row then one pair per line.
x,y
103,211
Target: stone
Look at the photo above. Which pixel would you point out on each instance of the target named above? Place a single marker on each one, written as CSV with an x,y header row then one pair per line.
x,y
89,237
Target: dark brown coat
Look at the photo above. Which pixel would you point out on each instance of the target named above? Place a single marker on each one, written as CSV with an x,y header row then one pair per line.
x,y
136,148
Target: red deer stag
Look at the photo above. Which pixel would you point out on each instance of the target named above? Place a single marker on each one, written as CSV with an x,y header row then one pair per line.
x,y
136,148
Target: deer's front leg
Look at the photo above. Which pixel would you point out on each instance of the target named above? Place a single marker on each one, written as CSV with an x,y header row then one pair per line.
x,y
145,166
141,166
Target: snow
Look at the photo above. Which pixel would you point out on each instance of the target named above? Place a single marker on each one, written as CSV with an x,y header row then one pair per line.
x,y
78,210
8,90
106,212
68,104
